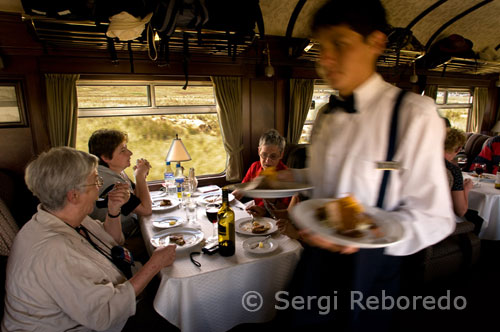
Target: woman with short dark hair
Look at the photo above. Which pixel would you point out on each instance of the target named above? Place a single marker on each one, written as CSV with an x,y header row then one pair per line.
x,y
110,146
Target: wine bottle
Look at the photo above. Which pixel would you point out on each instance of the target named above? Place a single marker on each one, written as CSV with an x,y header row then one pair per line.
x,y
225,217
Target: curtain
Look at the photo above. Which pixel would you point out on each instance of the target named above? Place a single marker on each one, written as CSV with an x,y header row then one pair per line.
x,y
301,92
478,106
62,108
431,90
228,94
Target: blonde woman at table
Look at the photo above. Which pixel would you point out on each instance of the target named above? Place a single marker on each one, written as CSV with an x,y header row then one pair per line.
x,y
460,188
61,273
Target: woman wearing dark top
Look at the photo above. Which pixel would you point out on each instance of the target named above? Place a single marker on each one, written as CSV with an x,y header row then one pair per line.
x,y
455,139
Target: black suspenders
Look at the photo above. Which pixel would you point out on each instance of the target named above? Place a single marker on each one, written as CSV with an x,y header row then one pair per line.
x,y
391,148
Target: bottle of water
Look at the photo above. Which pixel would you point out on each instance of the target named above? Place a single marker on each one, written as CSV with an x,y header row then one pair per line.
x,y
193,181
179,180
169,179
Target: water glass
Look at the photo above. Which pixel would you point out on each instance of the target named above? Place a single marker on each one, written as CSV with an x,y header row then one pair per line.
x,y
191,213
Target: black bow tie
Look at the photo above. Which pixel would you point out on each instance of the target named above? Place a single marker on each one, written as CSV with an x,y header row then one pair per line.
x,y
346,104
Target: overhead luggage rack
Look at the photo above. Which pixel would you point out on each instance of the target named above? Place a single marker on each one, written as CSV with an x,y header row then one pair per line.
x,y
89,35
469,66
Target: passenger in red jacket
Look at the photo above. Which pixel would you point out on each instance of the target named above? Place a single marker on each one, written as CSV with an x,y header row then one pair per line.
x,y
271,149
489,155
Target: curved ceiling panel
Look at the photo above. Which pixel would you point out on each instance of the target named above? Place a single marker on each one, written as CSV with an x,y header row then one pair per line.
x,y
480,26
302,26
276,14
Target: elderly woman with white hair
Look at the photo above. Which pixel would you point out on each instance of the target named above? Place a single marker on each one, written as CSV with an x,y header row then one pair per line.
x,y
271,150
67,271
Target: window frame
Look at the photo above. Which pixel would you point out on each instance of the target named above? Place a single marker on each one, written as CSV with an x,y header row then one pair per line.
x,y
153,109
445,105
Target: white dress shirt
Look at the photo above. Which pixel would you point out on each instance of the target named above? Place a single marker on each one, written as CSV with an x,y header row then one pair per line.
x,y
346,147
56,281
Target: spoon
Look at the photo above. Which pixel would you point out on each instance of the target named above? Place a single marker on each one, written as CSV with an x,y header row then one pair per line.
x,y
255,245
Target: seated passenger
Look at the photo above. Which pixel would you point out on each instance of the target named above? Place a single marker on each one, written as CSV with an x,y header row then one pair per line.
x,y
460,188
61,274
489,155
110,146
271,149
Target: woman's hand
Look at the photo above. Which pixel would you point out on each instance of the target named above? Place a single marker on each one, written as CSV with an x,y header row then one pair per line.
x,y
256,211
164,256
468,184
141,168
118,196
319,241
237,194
286,227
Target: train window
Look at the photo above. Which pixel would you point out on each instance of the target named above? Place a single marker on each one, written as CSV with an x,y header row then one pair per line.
x,y
152,113
456,105
321,95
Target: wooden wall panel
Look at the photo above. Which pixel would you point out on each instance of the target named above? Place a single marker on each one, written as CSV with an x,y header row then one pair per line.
x,y
262,108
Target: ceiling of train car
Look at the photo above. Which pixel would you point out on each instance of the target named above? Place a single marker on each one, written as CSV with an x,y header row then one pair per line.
x,y
475,20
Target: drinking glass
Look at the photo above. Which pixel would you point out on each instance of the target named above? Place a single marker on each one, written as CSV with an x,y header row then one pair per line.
x,y
191,213
479,169
211,210
461,161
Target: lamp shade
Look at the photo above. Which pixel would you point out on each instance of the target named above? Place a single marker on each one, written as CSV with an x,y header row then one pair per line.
x,y
177,151
496,127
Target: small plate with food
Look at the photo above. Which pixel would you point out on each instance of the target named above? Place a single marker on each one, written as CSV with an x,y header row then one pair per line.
x,y
346,222
183,237
260,245
256,226
163,204
168,222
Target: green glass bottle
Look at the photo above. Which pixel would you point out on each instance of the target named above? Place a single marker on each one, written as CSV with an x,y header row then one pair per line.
x,y
225,217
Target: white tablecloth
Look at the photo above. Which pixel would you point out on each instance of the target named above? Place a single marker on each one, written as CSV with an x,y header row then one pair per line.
x,y
485,199
209,298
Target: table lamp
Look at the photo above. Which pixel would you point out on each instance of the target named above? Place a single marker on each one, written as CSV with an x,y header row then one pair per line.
x,y
177,151
496,128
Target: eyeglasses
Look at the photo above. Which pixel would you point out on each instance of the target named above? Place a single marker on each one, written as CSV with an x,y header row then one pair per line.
x,y
272,156
98,182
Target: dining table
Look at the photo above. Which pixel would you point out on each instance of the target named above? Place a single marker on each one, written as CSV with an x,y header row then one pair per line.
x,y
209,292
485,200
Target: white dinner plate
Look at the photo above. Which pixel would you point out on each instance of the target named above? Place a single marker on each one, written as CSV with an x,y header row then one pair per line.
x,y
292,189
244,226
191,236
157,207
168,222
251,245
304,216
485,177
213,197
157,194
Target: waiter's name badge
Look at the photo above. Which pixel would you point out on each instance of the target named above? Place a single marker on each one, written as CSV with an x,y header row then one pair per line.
x,y
388,165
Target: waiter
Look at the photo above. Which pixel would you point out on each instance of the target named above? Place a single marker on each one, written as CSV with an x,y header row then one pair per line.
x,y
349,154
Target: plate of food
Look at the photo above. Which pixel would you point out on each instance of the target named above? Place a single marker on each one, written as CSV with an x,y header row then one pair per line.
x,y
213,197
183,237
486,177
163,204
260,245
168,222
255,226
266,185
347,222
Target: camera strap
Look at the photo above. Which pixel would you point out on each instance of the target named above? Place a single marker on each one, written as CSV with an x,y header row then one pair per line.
x,y
118,255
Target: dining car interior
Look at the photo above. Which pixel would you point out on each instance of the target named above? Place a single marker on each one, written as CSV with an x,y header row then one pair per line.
x,y
195,86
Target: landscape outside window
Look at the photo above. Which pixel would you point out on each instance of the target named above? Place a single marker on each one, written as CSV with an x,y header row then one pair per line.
x,y
321,96
152,114
456,105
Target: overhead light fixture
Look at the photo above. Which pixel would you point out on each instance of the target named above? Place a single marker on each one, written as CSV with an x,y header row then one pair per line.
x,y
308,47
414,76
269,70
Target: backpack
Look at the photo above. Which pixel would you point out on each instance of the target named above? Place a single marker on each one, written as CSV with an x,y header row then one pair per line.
x,y
170,14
